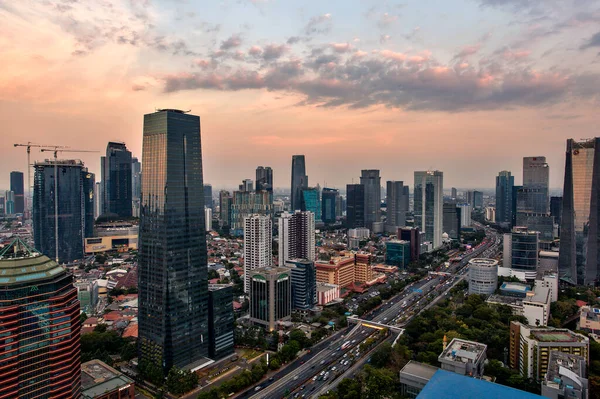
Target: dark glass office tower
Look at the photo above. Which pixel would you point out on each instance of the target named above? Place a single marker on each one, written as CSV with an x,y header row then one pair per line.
x,y
304,283
220,321
329,201
556,209
372,182
580,224
505,183
172,271
18,188
264,178
396,206
208,198
452,220
299,181
136,186
116,178
429,205
75,208
355,205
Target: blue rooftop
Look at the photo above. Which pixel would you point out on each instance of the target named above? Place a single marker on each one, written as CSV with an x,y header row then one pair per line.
x,y
447,385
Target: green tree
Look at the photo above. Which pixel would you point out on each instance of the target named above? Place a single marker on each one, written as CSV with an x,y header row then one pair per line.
x,y
349,388
382,355
300,337
379,383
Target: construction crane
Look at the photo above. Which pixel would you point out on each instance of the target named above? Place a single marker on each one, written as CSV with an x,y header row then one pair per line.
x,y
56,150
29,145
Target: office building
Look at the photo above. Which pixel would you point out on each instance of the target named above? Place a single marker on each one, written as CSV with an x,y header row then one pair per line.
x,y
225,201
452,221
119,236
475,199
396,206
556,209
524,251
536,177
345,270
87,293
530,347
548,279
296,236
136,186
454,193
2,206
74,209
304,283
208,197
464,357
40,326
397,253
329,200
116,178
580,223
428,213
270,296
355,205
490,214
299,181
172,267
413,236
220,321
536,307
414,376
258,245
208,218
505,183
465,215
372,185
98,200
100,381
246,203
18,189
565,377
311,202
247,185
9,203
264,178
483,276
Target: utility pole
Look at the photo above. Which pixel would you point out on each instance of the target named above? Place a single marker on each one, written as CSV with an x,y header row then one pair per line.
x,y
56,151
28,146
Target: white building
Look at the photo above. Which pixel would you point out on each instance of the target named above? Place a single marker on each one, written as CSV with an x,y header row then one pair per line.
x,y
490,214
208,218
359,232
296,236
327,293
483,276
258,245
536,307
465,214
549,281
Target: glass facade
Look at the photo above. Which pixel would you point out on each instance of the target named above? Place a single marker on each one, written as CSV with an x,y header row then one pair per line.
x,y
299,181
311,202
75,208
220,321
304,283
270,296
525,249
172,270
372,182
396,206
329,204
116,177
18,188
264,178
397,253
246,203
452,221
505,183
355,205
428,200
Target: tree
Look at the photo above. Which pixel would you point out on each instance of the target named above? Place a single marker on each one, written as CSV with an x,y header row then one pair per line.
x,y
379,383
83,317
349,388
382,355
181,381
300,337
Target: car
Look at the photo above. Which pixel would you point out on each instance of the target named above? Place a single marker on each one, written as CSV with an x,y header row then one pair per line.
x,y
257,388
315,377
295,378
271,379
322,372
333,368
322,362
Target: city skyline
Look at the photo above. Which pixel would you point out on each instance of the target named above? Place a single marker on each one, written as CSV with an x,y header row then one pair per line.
x,y
320,76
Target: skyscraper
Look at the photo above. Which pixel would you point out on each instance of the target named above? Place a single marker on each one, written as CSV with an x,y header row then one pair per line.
x,y
329,199
311,202
396,206
429,192
579,258
18,188
9,202
299,181
454,193
504,197
172,270
224,208
264,178
296,236
452,220
40,323
136,186
258,245
74,211
208,198
556,209
355,205
304,283
246,203
370,179
116,177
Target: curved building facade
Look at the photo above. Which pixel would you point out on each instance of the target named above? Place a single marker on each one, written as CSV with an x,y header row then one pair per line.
x,y
483,276
40,356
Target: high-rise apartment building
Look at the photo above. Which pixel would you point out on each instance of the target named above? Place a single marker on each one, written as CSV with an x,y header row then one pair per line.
x,y
454,193
270,296
329,199
172,269
258,245
505,183
311,202
72,205
304,283
355,205
579,260
371,181
296,236
428,213
208,219
9,202
18,188
475,199
246,203
224,208
465,214
116,178
40,324
264,178
412,235
247,185
299,181
136,186
452,221
208,198
396,206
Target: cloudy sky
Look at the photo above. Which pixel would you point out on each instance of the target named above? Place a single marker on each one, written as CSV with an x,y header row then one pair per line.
x,y
468,87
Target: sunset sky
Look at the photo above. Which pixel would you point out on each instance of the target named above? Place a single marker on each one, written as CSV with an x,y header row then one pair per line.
x,y
468,87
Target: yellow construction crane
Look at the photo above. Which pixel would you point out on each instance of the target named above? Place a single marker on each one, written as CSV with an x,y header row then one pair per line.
x,y
56,150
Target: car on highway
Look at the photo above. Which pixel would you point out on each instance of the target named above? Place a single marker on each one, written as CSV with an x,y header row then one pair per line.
x,y
257,388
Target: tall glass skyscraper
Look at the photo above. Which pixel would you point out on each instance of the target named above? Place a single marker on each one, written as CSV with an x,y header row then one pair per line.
x,y
136,186
396,206
355,205
18,188
429,203
75,209
116,178
208,196
264,178
505,183
311,202
299,181
329,201
580,222
172,271
370,179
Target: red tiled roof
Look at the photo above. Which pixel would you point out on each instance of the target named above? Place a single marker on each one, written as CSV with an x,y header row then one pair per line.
x,y
237,305
581,303
112,316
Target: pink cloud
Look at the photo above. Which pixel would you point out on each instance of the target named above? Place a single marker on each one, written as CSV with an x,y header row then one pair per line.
x,y
391,55
341,47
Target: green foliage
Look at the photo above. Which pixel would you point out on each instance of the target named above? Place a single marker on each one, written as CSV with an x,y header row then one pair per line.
x,y
242,381
83,317
382,355
349,388
152,372
212,274
562,310
300,337
181,381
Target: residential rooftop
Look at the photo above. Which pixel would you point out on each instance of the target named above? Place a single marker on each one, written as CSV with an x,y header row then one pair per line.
x,y
565,364
420,370
97,378
460,350
562,335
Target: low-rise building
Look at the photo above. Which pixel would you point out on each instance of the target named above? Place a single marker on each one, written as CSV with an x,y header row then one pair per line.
x,y
397,253
589,319
517,290
536,307
464,357
345,270
483,276
413,378
565,377
100,381
327,293
220,321
548,280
